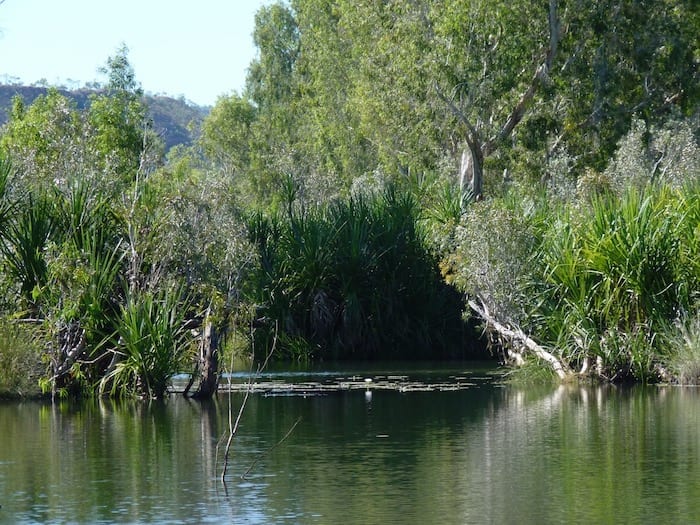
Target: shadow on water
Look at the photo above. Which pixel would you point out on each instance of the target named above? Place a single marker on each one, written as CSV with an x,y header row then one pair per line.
x,y
487,453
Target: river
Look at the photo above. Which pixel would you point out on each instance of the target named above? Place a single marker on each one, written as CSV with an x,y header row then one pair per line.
x,y
485,452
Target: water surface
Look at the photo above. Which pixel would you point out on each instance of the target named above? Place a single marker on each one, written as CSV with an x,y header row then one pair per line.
x,y
487,453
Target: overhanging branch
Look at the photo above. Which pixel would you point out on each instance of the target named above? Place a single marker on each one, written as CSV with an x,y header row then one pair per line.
x,y
518,336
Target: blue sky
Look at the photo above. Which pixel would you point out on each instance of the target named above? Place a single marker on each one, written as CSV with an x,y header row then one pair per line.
x,y
198,49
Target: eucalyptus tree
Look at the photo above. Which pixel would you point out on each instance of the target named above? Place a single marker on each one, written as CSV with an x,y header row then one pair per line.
x,y
332,140
120,134
391,72
44,140
625,60
401,85
503,53
417,81
225,138
271,88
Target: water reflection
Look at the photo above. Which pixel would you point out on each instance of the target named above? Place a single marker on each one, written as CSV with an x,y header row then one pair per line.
x,y
490,454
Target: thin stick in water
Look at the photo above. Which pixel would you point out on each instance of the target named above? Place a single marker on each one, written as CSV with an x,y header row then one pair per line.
x,y
269,450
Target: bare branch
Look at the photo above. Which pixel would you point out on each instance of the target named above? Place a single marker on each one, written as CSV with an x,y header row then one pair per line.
x,y
517,335
233,427
472,133
540,76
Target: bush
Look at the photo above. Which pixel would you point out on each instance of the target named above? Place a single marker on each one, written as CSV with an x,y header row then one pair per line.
x,y
152,342
20,360
494,244
612,280
353,279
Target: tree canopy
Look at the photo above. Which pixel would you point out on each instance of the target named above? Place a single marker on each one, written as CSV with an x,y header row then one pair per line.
x,y
406,88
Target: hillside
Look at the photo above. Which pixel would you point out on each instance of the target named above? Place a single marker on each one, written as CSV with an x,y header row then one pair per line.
x,y
173,118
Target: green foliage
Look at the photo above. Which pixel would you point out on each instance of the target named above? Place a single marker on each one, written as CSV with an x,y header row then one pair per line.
x,y
20,359
117,124
152,341
121,136
615,279
276,36
593,249
83,283
43,140
24,240
225,135
347,88
354,279
121,78
626,60
491,265
176,120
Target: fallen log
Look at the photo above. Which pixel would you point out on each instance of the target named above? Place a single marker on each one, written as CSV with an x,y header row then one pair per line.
x,y
515,336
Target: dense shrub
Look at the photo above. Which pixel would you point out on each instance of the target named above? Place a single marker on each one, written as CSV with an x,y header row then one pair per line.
x,y
353,279
611,281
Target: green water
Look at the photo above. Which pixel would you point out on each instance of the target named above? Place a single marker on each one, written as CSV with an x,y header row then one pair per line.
x,y
487,454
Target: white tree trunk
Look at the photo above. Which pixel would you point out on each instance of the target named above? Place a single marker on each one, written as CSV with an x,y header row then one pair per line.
x,y
471,174
518,336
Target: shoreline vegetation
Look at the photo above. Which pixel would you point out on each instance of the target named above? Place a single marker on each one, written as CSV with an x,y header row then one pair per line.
x,y
405,181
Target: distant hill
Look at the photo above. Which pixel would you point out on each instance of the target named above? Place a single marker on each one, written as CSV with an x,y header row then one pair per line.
x,y
173,118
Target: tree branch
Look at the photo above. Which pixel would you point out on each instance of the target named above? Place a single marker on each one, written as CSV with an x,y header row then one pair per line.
x,y
472,133
540,76
233,426
518,335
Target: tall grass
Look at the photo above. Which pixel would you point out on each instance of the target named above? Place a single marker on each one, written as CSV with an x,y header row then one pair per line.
x,y
354,279
614,279
152,340
20,360
683,358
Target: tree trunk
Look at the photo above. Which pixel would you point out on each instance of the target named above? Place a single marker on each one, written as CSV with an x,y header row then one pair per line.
x,y
471,174
208,360
518,338
70,347
477,149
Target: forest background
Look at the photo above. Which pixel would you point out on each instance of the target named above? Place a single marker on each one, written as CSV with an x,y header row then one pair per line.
x,y
398,180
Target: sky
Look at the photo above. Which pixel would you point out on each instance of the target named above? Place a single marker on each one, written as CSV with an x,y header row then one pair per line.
x,y
197,49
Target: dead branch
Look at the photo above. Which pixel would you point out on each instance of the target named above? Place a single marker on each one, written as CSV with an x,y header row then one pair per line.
x,y
233,426
516,335
269,450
